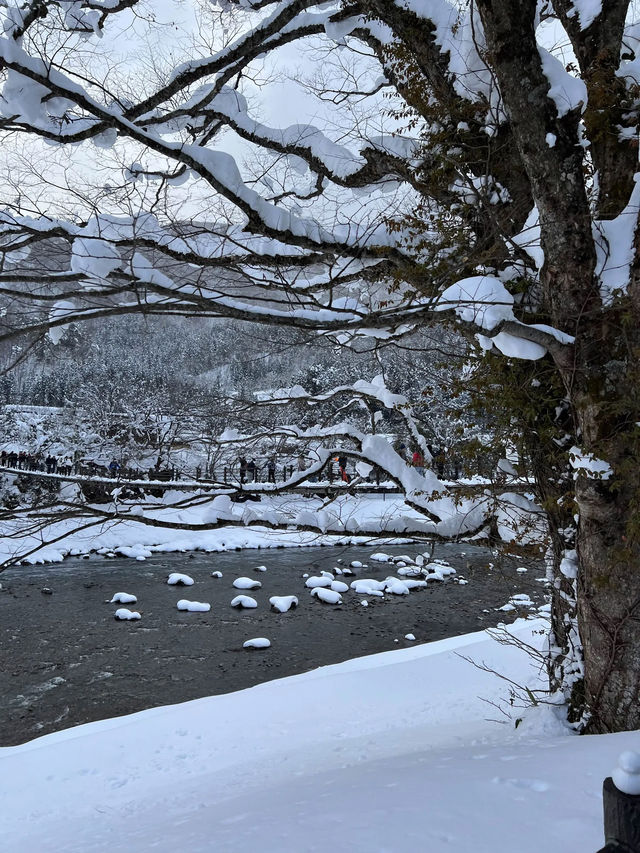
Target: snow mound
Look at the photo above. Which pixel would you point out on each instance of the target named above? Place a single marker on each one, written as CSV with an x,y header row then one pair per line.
x,y
318,581
244,601
415,584
339,586
409,571
282,603
177,579
328,596
124,615
257,643
246,583
396,587
193,606
440,568
521,599
368,586
123,598
626,776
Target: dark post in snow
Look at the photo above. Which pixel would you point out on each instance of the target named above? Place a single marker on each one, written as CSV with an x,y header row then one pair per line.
x,y
621,801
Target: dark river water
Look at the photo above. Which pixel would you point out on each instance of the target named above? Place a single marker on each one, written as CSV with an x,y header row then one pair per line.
x,y
65,660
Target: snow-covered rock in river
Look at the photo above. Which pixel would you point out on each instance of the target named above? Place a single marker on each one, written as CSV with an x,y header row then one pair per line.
x,y
216,574
440,568
257,643
259,568
123,598
379,557
395,586
124,615
177,579
368,586
246,583
317,581
244,601
282,603
356,564
193,606
409,571
409,637
329,596
339,586
414,584
521,599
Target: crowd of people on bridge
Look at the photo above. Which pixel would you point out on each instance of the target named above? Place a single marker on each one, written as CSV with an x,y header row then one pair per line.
x,y
246,470
251,472
24,461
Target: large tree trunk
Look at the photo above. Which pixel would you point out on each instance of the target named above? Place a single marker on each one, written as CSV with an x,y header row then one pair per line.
x,y
600,372
609,603
608,412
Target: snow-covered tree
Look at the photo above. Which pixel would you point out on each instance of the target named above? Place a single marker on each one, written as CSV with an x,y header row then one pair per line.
x,y
471,161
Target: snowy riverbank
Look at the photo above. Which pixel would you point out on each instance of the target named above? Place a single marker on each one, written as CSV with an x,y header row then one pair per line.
x,y
392,752
350,519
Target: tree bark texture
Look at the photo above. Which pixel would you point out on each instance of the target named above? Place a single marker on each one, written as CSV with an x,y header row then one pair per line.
x,y
601,371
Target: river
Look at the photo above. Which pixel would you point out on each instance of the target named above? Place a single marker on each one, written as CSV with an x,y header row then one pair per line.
x,y
65,660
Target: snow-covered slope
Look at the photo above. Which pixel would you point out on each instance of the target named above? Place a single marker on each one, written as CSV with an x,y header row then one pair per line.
x,y
392,752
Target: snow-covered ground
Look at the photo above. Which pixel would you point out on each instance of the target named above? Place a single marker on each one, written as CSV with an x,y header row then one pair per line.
x,y
388,753
351,519
131,538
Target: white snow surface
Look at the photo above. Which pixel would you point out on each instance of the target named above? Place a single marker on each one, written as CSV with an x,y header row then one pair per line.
x,y
355,515
587,11
626,776
328,596
123,614
123,598
401,749
257,643
589,465
193,606
246,583
244,601
283,603
178,579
